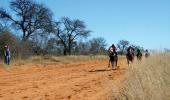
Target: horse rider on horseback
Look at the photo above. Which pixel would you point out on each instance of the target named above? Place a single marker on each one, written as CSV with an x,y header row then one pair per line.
x,y
130,50
147,53
113,55
139,54
130,54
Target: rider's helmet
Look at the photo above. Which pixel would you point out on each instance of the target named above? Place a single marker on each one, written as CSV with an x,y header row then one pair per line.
x,y
146,50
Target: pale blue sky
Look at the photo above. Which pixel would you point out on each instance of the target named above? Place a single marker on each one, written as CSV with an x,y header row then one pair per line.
x,y
142,22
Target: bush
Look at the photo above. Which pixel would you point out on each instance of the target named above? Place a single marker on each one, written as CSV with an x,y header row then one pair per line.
x,y
7,38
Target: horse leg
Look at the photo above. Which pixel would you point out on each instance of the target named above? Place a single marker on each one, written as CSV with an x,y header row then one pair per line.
x,y
132,60
109,62
127,60
116,62
112,62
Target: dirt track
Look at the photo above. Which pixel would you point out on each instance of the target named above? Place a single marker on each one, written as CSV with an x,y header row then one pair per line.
x,y
90,80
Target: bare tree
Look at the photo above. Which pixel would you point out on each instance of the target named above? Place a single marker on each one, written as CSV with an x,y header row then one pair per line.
x,y
68,31
39,43
122,45
30,17
97,45
82,48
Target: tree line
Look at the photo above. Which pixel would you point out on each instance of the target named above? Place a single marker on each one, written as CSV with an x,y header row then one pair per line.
x,y
41,34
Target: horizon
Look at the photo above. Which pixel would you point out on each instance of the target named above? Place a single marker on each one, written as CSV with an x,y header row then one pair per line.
x,y
144,23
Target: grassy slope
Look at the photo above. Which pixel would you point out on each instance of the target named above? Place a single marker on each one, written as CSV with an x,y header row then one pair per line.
x,y
149,80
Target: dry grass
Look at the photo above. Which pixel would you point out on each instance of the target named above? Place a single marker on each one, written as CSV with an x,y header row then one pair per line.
x,y
149,80
64,59
53,60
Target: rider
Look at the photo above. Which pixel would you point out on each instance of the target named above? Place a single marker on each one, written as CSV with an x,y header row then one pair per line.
x,y
112,50
130,49
146,53
138,52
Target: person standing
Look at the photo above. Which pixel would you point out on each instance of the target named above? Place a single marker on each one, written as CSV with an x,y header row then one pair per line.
x,y
7,55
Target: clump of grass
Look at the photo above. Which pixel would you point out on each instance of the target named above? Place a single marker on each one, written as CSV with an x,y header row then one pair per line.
x,y
149,80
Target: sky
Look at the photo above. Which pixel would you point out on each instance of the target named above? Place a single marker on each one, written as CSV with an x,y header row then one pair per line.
x,y
142,22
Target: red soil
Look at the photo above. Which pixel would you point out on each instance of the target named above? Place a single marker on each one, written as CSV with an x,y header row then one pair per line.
x,y
91,80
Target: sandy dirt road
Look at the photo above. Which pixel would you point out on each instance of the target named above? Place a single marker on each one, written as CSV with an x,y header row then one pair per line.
x,y
91,80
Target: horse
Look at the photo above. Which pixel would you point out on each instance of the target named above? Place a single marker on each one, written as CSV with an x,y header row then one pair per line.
x,y
130,55
113,59
139,55
147,54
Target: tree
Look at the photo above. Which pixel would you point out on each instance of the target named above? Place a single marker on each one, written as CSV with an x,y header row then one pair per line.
x,y
97,45
30,17
122,45
166,50
68,31
39,43
82,48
